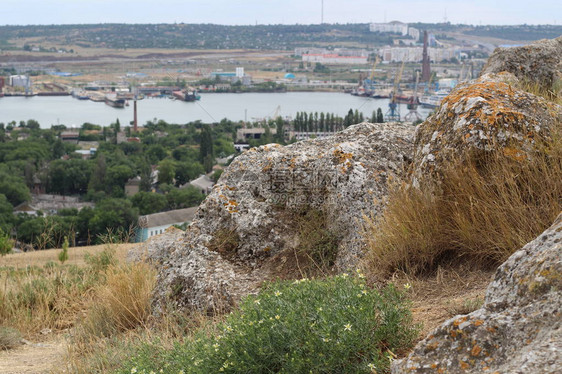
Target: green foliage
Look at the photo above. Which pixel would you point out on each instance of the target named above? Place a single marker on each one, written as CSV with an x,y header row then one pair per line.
x,y
6,216
206,154
149,202
113,214
179,198
101,261
335,325
166,171
6,243
69,176
14,188
63,254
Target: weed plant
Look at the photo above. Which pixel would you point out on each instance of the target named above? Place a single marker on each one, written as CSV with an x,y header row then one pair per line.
x,y
334,325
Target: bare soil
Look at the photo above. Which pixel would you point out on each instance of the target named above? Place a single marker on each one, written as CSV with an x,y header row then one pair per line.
x,y
33,358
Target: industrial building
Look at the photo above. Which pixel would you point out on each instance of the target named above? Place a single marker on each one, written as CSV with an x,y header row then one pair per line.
x,y
415,54
19,81
395,27
334,59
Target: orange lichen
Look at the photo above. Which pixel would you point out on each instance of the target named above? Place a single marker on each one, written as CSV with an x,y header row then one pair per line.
x,y
476,350
478,322
499,101
464,365
460,320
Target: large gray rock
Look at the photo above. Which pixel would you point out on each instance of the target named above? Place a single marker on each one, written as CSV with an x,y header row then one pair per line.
x,y
487,114
536,63
244,232
518,330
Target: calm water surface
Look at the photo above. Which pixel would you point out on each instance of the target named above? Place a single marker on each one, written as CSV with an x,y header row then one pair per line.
x,y
53,110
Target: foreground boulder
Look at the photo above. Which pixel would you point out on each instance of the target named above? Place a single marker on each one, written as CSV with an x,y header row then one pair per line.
x,y
275,207
518,330
489,114
537,63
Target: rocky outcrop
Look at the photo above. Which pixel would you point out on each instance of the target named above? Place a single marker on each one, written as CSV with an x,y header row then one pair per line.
x,y
488,114
518,330
536,63
246,230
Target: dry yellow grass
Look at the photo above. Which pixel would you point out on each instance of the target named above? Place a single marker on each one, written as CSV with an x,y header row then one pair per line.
x,y
484,209
75,256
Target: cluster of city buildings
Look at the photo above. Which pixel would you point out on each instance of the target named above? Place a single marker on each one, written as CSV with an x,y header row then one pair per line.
x,y
407,47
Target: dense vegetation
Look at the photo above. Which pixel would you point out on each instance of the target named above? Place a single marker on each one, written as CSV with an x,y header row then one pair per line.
x,y
335,325
41,158
199,36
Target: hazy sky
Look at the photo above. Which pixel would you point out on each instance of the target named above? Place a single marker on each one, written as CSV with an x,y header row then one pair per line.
x,y
244,12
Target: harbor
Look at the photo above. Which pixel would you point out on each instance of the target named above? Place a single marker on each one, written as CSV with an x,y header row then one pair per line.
x,y
71,112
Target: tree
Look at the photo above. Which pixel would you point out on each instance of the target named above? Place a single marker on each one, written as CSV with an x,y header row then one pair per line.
x,y
187,171
206,147
380,117
6,215
112,214
97,179
155,153
179,198
149,202
117,176
166,172
14,188
280,131
57,149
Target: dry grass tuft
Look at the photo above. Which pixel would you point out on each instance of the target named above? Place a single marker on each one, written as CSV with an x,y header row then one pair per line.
x,y
9,338
122,302
485,209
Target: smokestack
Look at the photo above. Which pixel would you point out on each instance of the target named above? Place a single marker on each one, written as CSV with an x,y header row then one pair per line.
x,y
135,124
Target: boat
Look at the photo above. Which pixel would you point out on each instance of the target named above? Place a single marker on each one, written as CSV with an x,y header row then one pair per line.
x,y
433,101
186,95
114,101
80,95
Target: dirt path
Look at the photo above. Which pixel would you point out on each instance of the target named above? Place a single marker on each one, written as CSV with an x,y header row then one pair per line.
x,y
33,358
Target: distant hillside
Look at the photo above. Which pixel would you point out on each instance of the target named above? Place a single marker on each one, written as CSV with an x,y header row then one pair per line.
x,y
260,37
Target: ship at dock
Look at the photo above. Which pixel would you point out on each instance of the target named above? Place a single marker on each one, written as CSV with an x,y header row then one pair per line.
x,y
186,95
115,101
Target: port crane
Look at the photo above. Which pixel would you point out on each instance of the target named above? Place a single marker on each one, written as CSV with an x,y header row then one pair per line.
x,y
413,114
393,113
369,84
366,86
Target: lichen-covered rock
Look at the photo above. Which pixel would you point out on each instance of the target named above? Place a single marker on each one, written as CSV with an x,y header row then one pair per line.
x,y
519,328
244,232
539,62
487,114
156,248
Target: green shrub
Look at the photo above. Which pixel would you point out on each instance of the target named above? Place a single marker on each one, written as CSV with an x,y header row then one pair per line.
x,y
6,243
63,254
335,325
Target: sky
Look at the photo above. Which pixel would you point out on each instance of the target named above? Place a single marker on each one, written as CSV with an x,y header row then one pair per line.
x,y
249,12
